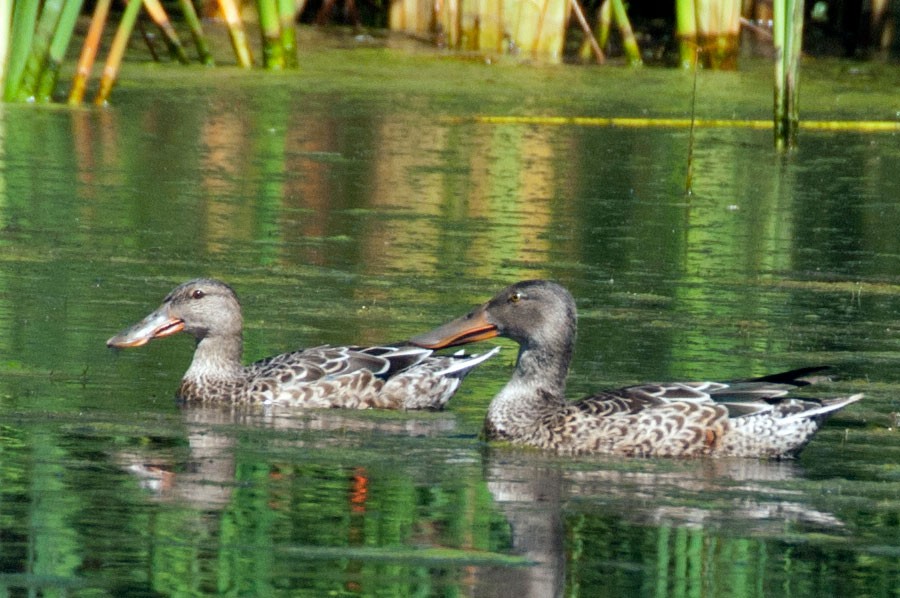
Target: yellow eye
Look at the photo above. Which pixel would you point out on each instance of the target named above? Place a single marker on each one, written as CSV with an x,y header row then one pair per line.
x,y
514,297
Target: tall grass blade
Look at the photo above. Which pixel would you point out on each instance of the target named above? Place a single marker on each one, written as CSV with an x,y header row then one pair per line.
x,y
117,51
61,38
89,52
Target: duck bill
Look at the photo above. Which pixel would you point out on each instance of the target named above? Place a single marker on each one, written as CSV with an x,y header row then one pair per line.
x,y
156,325
470,328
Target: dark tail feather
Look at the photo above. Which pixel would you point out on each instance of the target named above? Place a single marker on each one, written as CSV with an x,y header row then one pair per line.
x,y
792,377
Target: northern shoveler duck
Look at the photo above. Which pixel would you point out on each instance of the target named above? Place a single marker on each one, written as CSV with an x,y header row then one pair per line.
x,y
749,418
351,377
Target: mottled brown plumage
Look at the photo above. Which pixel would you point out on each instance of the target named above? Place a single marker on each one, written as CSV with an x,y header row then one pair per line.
x,y
750,418
350,377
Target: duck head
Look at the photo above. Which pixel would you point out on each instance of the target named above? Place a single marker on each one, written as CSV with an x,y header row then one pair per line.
x,y
534,313
201,307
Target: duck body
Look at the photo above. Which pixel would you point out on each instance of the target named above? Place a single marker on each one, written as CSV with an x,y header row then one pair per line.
x,y
326,376
747,418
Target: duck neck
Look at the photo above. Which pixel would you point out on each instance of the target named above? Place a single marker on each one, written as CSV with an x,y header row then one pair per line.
x,y
216,358
544,369
537,386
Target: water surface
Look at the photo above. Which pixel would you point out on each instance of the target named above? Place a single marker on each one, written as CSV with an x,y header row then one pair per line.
x,y
346,206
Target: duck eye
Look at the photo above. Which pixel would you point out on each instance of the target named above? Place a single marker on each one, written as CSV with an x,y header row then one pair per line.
x,y
515,297
198,294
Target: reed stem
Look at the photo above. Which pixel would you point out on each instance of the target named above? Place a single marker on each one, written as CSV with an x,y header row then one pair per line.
x,y
604,23
193,23
273,53
5,38
40,50
579,14
57,52
287,16
24,17
686,32
117,51
788,41
173,43
237,33
89,52
629,41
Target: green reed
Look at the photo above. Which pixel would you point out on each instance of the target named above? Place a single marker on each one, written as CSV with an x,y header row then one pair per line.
x,y
35,36
57,51
788,38
26,88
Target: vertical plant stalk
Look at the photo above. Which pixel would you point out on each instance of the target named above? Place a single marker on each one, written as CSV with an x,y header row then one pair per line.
x,y
779,9
579,14
58,46
540,34
604,23
689,175
438,32
788,39
89,52
686,32
148,39
173,43
287,16
40,50
237,33
629,41
718,32
273,54
24,18
193,23
5,37
117,51
881,27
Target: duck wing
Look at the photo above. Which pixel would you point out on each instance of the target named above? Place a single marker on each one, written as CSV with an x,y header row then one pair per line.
x,y
741,397
318,363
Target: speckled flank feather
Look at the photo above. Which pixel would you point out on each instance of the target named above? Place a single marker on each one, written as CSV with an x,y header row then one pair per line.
x,y
749,418
347,377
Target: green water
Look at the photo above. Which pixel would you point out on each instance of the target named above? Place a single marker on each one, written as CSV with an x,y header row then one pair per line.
x,y
356,203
